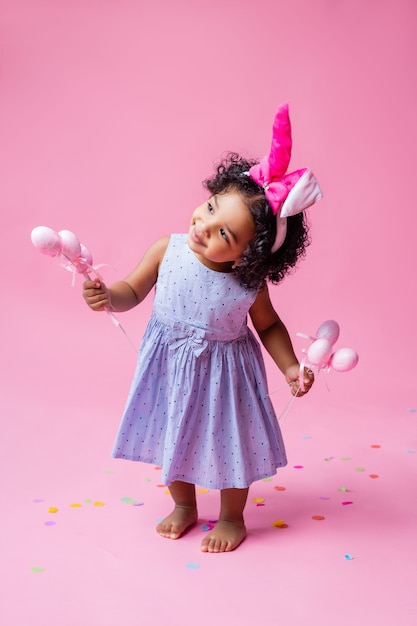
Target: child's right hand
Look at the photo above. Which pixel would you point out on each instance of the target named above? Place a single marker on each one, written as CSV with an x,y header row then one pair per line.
x,y
96,295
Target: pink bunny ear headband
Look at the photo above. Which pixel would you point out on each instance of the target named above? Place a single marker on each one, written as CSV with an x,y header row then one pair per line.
x,y
288,194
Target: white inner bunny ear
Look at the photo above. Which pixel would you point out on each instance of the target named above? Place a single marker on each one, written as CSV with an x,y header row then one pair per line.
x,y
281,234
305,192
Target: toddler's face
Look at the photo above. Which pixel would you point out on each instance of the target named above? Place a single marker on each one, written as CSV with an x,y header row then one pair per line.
x,y
220,230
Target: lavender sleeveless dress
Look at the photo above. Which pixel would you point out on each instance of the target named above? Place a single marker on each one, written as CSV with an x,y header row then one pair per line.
x,y
199,406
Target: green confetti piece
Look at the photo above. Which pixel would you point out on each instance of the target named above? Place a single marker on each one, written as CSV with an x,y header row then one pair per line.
x,y
127,500
37,570
346,458
267,480
359,469
342,489
88,501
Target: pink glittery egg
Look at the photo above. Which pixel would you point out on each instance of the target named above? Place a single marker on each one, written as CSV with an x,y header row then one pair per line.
x,y
319,352
329,330
46,240
71,247
344,359
85,261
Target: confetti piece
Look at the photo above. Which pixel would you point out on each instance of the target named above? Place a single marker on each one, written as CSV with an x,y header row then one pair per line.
x,y
412,410
98,503
161,486
260,504
127,500
138,503
148,480
324,498
318,518
348,557
373,476
88,501
192,566
298,466
329,458
410,451
52,509
305,436
38,500
279,524
202,490
37,570
344,503
258,500
206,527
375,445
346,458
343,489
157,467
280,488
268,479
49,523
109,471
359,469
76,505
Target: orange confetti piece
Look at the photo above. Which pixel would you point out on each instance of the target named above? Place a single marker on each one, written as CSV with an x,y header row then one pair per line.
x,y
318,517
375,445
373,476
279,523
279,488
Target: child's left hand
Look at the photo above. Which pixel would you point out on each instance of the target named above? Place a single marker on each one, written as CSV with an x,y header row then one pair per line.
x,y
292,376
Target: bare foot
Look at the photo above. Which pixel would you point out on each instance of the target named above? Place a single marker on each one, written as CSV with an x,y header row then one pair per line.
x,y
175,525
225,536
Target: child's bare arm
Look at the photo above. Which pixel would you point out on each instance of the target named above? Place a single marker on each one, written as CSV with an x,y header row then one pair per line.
x,y
274,336
126,294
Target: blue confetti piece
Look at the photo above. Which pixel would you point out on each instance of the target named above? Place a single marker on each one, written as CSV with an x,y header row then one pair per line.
x,y
192,566
412,410
410,451
138,503
348,557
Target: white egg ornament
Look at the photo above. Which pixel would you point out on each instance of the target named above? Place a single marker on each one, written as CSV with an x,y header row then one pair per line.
x,y
344,359
85,262
71,247
46,240
319,352
329,330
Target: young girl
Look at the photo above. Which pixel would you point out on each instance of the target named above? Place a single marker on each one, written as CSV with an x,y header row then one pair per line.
x,y
199,405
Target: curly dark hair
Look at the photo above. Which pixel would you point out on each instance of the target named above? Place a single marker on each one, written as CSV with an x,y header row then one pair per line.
x,y
257,263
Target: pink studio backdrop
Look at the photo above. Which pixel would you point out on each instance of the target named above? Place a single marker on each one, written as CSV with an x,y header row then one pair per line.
x,y
112,113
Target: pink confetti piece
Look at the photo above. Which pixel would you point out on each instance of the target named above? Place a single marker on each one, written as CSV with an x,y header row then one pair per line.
x,y
347,502
298,466
49,523
324,498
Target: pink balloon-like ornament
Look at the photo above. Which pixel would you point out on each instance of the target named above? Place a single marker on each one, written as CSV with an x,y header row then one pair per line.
x,y
71,247
319,352
344,359
46,240
329,330
85,261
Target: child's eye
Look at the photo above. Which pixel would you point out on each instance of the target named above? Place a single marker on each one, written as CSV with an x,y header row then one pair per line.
x,y
210,207
224,234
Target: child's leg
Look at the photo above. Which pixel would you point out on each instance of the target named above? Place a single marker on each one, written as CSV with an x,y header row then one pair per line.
x,y
230,530
184,514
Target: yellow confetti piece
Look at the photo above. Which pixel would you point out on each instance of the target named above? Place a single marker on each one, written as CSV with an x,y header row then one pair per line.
x,y
98,503
202,490
52,509
279,523
75,505
258,500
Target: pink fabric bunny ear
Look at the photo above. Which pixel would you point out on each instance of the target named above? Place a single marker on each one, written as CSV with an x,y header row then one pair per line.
x,y
288,194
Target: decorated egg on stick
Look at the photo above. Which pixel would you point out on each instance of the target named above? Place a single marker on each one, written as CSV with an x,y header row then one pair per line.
x,y
46,240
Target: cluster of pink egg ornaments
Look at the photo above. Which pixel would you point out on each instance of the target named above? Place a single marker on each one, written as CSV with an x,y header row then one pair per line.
x,y
321,354
65,244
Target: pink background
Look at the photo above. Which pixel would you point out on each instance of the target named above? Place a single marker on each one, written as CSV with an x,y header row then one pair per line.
x,y
112,113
